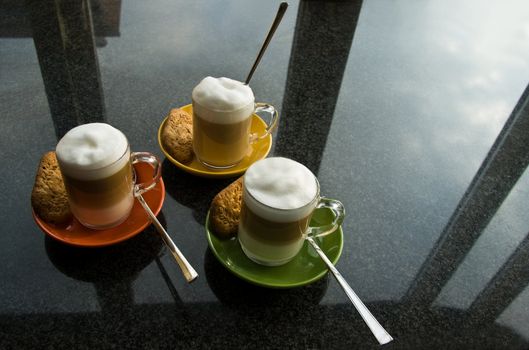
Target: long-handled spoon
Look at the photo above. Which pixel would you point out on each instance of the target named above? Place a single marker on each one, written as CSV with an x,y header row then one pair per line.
x,y
189,272
378,331
280,12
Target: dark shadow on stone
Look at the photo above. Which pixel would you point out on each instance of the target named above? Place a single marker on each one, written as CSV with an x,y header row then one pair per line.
x,y
112,270
192,191
237,293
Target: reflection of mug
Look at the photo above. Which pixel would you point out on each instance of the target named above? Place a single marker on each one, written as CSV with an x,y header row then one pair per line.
x,y
279,197
222,117
96,165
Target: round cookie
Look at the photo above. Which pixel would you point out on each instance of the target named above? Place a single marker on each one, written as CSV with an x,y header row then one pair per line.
x,y
177,135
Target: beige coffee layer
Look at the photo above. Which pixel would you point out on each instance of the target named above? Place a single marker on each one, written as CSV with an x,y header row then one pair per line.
x,y
220,144
271,232
100,193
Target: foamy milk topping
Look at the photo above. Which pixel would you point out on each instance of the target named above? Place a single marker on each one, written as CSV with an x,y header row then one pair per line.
x,y
280,183
89,147
223,100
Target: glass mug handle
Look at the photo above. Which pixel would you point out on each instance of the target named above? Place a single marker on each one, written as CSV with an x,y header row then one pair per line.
x,y
146,157
271,125
339,213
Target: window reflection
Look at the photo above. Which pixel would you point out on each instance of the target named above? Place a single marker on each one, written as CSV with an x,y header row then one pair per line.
x,y
315,77
500,172
63,37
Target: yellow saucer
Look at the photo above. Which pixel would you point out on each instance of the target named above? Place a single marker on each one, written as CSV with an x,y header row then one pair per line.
x,y
257,151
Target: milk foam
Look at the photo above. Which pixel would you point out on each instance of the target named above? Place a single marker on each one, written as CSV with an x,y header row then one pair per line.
x,y
90,147
223,100
280,189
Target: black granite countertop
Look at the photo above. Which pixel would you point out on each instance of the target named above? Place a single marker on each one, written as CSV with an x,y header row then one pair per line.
x,y
414,114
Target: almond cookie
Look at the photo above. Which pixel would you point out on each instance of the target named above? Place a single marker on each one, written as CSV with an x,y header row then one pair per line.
x,y
225,210
177,135
49,198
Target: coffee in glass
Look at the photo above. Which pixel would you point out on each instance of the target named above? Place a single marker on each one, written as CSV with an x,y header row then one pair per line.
x,y
222,117
96,165
279,197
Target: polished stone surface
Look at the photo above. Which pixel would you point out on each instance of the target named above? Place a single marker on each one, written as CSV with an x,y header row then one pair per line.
x,y
414,114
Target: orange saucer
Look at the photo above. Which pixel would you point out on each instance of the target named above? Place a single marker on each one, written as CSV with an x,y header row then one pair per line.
x,y
74,233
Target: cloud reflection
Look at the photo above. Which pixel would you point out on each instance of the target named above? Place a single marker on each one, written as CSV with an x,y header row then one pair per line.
x,y
429,101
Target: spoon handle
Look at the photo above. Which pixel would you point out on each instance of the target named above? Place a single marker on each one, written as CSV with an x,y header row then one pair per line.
x,y
378,331
280,12
189,272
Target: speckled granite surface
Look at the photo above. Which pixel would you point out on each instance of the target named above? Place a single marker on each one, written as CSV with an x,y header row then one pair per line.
x,y
413,114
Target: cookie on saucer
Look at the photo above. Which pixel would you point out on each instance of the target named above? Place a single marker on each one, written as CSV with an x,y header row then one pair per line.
x,y
177,135
49,198
225,210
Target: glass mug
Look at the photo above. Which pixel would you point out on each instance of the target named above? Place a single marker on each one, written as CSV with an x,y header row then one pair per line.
x,y
272,236
222,122
103,197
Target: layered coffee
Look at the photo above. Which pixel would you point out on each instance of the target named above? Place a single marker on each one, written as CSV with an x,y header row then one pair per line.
x,y
95,163
222,117
279,196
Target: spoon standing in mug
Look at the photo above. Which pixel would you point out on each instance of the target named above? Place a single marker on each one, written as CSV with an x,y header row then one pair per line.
x,y
280,12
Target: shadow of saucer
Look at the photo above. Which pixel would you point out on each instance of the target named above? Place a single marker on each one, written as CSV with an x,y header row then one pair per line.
x,y
119,262
192,191
235,292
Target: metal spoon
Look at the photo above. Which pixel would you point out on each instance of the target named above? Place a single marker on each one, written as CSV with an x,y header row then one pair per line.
x,y
189,272
280,12
378,331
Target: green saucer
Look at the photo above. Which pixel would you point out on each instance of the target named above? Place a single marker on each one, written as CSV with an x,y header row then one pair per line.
x,y
305,268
